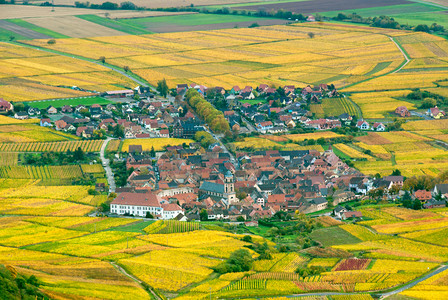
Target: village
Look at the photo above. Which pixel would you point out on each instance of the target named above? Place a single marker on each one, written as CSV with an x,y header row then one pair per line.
x,y
206,181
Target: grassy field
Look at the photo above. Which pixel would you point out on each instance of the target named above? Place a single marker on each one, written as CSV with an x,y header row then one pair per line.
x,y
72,101
115,24
392,10
33,27
333,236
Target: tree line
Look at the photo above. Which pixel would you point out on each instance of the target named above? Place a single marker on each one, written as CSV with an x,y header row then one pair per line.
x,y
213,117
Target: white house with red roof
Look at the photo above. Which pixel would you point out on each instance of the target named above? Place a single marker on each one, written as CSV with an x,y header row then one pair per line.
x,y
436,113
379,126
139,204
363,125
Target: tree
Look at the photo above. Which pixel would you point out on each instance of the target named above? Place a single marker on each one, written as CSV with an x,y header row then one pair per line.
x,y
311,35
428,103
149,215
79,155
203,215
102,59
51,42
162,87
247,238
128,5
239,261
416,204
240,219
396,172
422,27
241,195
126,68
152,153
118,131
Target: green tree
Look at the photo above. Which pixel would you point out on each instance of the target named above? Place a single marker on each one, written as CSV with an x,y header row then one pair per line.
x,y
79,155
162,87
118,131
152,153
239,261
203,215
417,204
102,59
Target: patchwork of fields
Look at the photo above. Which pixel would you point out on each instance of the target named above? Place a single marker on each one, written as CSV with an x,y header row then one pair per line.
x,y
46,234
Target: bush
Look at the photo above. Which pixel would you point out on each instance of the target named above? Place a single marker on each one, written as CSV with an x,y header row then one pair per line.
x,y
239,261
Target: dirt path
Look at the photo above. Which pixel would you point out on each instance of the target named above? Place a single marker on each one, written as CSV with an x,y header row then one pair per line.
x,y
123,271
404,55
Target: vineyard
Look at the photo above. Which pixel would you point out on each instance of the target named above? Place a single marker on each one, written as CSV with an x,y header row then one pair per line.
x,y
171,226
86,146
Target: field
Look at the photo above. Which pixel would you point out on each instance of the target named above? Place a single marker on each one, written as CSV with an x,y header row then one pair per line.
x,y
72,101
36,75
72,254
307,7
86,146
265,54
333,236
159,144
269,142
414,153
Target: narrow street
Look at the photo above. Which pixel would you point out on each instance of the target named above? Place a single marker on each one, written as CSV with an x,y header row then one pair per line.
x,y
105,162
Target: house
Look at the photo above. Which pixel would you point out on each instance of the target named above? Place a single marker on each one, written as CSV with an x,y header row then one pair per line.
x,y
264,126
423,195
67,109
402,111
396,180
51,110
21,115
5,106
120,94
363,125
33,111
339,211
235,90
351,214
441,189
379,126
165,133
45,122
435,204
60,124
95,109
141,204
436,113
311,19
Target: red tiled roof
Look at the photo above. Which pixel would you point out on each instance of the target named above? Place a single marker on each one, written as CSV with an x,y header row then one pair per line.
x,y
137,199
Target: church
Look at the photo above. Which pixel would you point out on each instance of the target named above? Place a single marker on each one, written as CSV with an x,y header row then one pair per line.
x,y
224,191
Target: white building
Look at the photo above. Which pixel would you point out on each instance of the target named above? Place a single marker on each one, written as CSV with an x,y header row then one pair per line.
x,y
139,204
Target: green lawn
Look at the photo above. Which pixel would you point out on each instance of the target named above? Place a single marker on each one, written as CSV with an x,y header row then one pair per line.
x,y
387,10
188,20
70,101
115,24
33,27
427,18
250,4
333,236
254,101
